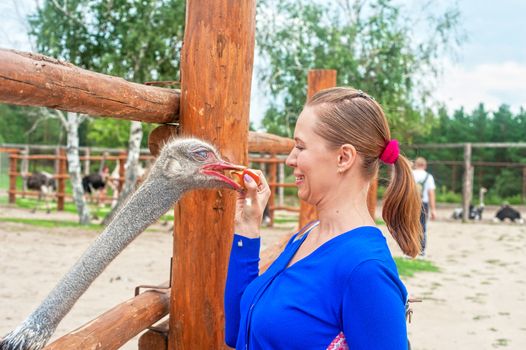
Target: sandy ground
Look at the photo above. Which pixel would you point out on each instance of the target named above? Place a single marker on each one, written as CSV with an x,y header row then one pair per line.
x,y
476,301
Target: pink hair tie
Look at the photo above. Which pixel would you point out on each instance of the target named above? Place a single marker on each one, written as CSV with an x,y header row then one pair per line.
x,y
391,152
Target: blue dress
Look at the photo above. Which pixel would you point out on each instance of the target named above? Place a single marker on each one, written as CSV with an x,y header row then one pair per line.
x,y
350,283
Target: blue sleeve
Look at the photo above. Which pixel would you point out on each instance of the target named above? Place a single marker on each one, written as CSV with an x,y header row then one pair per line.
x,y
243,268
373,309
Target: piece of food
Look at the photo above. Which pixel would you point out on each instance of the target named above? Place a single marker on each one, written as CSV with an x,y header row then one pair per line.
x,y
239,176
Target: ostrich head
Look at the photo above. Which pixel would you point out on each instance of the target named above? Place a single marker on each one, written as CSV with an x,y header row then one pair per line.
x,y
190,163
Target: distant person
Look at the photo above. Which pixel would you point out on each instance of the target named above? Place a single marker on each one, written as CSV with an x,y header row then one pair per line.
x,y
426,185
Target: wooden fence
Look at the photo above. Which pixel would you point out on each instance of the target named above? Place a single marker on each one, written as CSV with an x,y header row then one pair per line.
x,y
61,175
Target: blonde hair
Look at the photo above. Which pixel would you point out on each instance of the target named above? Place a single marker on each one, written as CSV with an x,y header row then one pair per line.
x,y
420,163
346,115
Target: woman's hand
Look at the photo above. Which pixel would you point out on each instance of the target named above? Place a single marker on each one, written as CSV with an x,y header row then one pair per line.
x,y
250,206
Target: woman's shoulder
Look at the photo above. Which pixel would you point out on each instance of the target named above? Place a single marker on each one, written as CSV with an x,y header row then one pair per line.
x,y
365,245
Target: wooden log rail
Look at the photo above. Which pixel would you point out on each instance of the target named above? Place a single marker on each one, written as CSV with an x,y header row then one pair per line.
x,y
36,80
117,326
274,144
62,176
57,157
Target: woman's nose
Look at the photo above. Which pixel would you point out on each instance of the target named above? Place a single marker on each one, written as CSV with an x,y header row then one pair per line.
x,y
291,159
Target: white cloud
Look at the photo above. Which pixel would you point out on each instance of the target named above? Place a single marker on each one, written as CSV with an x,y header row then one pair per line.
x,y
491,83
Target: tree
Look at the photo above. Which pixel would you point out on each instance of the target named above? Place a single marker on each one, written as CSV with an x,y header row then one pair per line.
x,y
373,45
20,124
135,39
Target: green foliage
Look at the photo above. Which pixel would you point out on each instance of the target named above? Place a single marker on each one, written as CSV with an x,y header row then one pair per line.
x,y
134,39
481,125
108,132
407,267
372,44
508,183
19,124
443,195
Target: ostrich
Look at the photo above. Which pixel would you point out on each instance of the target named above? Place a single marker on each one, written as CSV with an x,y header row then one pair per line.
x,y
94,183
474,213
508,213
43,183
183,164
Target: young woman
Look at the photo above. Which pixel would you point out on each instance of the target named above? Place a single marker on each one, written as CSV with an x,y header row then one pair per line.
x,y
335,284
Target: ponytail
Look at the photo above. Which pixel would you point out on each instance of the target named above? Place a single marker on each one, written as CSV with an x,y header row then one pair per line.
x,y
402,207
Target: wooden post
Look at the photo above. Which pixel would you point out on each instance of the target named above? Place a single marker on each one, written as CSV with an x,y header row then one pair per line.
x,y
57,160
281,179
24,169
467,186
87,154
216,73
273,169
122,169
453,178
12,176
317,79
156,338
62,173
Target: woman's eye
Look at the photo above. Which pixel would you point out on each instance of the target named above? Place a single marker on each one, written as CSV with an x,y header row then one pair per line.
x,y
299,147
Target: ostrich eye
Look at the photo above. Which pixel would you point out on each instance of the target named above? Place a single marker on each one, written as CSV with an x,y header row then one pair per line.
x,y
202,154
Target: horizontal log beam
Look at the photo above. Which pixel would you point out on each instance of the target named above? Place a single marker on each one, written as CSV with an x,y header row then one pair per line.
x,y
117,326
260,142
473,145
36,80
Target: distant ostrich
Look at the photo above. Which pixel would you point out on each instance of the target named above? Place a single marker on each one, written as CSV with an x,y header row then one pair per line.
x,y
508,213
182,165
45,184
94,183
474,213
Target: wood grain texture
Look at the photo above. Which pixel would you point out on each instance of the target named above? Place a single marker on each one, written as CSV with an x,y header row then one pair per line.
x,y
216,74
260,142
36,80
160,136
156,338
117,326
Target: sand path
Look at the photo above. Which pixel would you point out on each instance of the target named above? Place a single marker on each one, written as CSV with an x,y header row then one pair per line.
x,y
476,301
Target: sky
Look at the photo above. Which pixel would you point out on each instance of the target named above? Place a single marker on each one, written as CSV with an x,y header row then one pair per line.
x,y
490,66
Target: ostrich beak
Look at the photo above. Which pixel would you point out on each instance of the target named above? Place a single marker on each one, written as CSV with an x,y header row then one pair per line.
x,y
219,169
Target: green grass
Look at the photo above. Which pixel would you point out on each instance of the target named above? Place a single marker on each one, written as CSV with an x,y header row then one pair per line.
x,y
69,207
285,220
51,223
408,267
4,181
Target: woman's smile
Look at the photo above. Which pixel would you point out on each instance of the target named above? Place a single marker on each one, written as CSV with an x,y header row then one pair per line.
x,y
299,179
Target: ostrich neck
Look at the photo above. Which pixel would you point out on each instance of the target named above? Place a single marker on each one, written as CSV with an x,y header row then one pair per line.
x,y
144,207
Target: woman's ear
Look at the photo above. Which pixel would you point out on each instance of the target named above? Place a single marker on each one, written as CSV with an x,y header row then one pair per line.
x,y
346,157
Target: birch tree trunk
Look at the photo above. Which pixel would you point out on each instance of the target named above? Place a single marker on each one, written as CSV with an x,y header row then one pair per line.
x,y
134,151
72,126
